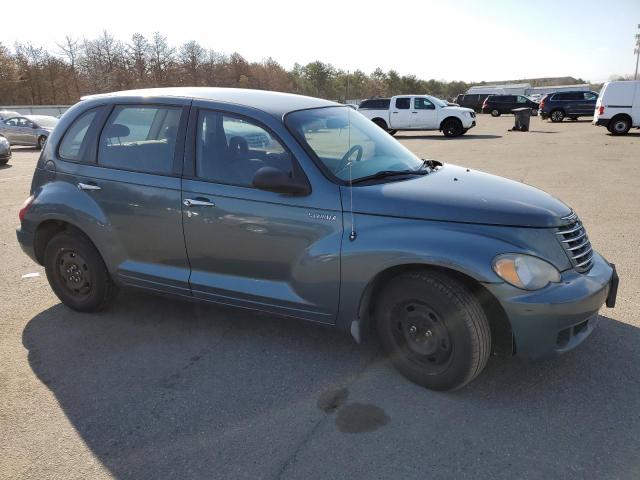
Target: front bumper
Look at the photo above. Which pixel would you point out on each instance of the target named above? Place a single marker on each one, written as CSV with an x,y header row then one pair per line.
x,y
556,319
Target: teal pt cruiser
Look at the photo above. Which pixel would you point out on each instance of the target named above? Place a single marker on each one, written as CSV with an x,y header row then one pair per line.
x,y
301,207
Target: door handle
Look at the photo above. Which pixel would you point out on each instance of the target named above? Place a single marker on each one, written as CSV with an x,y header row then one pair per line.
x,y
414,112
88,186
394,112
191,202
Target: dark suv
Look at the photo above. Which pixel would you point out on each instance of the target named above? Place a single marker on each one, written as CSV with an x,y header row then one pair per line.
x,y
496,105
559,105
238,197
472,100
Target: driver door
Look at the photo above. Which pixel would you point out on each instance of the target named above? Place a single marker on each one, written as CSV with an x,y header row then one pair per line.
x,y
424,114
249,247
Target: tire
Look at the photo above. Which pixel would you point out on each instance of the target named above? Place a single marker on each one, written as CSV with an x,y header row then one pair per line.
x,y
433,329
77,274
464,130
452,127
495,112
392,132
383,125
41,142
619,125
557,116
534,112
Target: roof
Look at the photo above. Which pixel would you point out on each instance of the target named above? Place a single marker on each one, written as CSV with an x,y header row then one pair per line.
x,y
503,85
274,103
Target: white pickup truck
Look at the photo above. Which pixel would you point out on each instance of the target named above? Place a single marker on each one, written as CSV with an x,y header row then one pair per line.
x,y
418,112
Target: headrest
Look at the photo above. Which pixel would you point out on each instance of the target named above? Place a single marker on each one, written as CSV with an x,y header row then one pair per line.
x,y
117,130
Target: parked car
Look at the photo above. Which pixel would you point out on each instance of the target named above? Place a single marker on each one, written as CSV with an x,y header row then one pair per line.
x,y
472,100
496,105
618,106
5,151
559,105
341,226
29,130
418,112
8,114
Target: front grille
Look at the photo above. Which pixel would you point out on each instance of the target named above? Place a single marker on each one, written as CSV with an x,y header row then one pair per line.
x,y
573,238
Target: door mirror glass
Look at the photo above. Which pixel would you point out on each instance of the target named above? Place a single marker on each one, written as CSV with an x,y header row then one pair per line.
x,y
275,180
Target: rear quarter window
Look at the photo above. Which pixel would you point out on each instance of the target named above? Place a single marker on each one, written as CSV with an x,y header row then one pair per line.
x,y
71,144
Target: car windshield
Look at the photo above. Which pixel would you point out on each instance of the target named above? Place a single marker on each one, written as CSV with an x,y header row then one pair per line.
x,y
348,144
438,102
43,120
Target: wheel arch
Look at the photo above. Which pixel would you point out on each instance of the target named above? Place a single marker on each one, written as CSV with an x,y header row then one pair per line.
x,y
501,333
446,119
49,228
380,119
621,115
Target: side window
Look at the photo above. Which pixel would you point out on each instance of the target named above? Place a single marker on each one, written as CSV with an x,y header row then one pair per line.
x,y
72,141
590,97
560,96
23,122
140,138
403,103
423,104
522,99
12,122
575,96
230,149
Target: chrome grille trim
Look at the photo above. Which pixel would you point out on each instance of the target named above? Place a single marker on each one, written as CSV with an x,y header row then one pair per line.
x,y
575,241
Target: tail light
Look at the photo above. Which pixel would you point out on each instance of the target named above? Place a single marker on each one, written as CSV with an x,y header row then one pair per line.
x,y
601,110
541,104
484,104
25,207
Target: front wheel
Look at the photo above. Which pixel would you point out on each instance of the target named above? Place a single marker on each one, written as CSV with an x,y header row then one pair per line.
x,y
452,128
433,329
77,274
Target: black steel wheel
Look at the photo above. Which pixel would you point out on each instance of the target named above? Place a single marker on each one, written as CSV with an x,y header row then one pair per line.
x,y
76,272
452,128
433,329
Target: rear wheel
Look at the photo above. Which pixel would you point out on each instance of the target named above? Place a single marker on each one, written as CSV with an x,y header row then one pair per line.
x,y
383,125
452,127
77,274
557,116
41,142
392,132
619,125
495,112
433,329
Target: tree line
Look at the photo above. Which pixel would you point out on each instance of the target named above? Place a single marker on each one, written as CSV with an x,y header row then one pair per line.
x,y
33,75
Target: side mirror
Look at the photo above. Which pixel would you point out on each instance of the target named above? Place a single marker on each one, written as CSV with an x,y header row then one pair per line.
x,y
275,180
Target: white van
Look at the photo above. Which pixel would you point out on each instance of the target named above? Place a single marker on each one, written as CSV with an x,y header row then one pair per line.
x,y
618,106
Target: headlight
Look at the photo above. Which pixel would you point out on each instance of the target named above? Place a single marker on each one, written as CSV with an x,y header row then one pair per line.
x,y
525,271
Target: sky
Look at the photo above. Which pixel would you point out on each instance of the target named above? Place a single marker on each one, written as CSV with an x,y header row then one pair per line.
x,y
449,40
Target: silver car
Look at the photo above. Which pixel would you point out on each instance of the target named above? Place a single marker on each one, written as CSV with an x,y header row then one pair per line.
x,y
5,150
29,130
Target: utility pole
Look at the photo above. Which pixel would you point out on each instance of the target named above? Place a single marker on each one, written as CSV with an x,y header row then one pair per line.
x,y
637,52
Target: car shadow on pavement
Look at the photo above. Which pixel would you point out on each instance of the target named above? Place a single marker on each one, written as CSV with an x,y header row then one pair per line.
x,y
158,388
437,136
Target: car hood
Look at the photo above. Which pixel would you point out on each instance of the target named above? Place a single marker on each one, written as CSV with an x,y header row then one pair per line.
x,y
458,194
457,109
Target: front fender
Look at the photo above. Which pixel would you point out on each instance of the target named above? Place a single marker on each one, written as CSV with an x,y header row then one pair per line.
x,y
383,242
64,202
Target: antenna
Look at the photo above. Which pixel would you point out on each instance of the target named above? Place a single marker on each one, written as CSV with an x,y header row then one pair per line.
x,y
352,235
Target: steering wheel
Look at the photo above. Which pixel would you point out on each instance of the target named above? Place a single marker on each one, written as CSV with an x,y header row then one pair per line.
x,y
344,161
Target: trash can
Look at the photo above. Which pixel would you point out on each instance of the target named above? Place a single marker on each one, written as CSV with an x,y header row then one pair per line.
x,y
523,117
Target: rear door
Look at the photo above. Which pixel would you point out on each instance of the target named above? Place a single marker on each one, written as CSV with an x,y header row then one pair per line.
x,y
400,113
249,247
131,172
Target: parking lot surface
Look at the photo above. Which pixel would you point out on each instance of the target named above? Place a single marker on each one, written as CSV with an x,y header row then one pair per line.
x,y
157,388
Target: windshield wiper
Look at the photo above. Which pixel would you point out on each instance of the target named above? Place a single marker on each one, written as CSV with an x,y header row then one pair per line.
x,y
389,173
